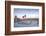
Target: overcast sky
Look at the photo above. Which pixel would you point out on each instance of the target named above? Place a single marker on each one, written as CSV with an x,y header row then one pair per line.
x,y
30,13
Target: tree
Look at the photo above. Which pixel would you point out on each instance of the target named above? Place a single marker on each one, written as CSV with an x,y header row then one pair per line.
x,y
15,19
24,16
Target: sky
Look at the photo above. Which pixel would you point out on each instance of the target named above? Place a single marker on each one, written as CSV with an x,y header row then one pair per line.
x,y
30,13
